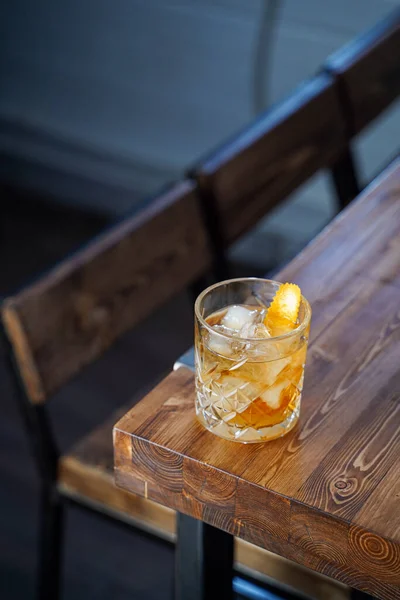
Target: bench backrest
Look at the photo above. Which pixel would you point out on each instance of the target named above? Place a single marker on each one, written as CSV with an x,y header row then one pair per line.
x,y
242,181
72,314
368,72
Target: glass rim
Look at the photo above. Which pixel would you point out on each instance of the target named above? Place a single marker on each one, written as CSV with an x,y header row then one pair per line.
x,y
285,336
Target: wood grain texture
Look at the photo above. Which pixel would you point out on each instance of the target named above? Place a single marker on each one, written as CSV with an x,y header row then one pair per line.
x,y
368,71
86,474
72,314
325,494
264,565
379,506
266,162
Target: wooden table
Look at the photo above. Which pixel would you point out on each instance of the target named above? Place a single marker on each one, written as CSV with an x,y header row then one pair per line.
x,y
327,495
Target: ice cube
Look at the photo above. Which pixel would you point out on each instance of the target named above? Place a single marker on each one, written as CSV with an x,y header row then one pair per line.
x,y
276,368
223,345
272,396
220,345
237,316
238,393
254,330
229,384
269,373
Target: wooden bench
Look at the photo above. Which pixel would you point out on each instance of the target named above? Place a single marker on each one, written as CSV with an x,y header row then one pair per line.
x,y
67,319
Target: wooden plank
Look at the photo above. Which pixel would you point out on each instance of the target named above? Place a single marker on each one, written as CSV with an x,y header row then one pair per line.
x,y
356,465
368,70
266,162
383,506
70,316
86,473
375,555
344,573
96,487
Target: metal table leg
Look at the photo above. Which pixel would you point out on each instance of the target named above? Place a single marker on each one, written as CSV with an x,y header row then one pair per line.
x,y
204,561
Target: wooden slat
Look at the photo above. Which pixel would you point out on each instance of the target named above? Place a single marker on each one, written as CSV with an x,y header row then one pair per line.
x,y
266,162
95,487
352,469
379,506
70,316
86,473
308,496
369,72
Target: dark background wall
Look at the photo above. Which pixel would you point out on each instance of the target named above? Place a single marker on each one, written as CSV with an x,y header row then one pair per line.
x,y
127,93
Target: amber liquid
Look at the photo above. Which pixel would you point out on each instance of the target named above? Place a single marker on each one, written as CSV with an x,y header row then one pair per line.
x,y
245,399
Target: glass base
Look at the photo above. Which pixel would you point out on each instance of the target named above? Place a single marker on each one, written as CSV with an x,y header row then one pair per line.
x,y
248,435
